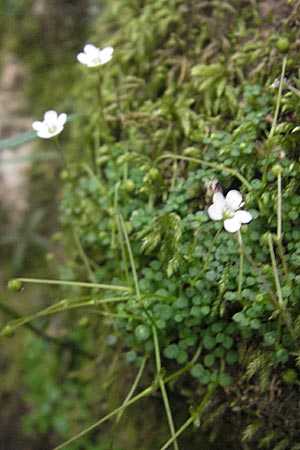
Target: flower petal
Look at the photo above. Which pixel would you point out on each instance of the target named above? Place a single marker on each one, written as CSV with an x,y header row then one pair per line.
x,y
61,120
36,125
214,212
106,54
219,199
232,225
83,58
90,49
234,199
243,216
50,117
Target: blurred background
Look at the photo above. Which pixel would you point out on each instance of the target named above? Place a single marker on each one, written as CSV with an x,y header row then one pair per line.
x,y
39,40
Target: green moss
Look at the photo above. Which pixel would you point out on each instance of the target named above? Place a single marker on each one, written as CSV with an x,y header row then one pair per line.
x,y
186,109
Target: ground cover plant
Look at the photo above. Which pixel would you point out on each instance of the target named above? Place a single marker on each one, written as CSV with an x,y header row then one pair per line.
x,y
180,221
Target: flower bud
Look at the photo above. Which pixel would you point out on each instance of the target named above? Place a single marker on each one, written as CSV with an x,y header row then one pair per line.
x,y
8,331
277,170
14,285
129,186
283,44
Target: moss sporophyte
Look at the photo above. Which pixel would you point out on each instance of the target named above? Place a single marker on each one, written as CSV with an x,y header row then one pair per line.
x,y
228,209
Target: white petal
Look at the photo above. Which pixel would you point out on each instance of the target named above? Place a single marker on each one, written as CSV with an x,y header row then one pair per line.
x,y
83,58
232,225
234,199
106,54
61,120
90,49
243,216
36,125
50,117
219,199
44,134
214,212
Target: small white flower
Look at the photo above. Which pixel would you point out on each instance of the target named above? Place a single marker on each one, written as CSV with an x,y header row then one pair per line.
x,y
228,210
52,124
94,57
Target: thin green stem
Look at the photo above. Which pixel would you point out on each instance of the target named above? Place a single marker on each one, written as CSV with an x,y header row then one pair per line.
x,y
61,153
279,208
133,388
75,283
123,250
115,206
163,389
145,393
284,264
241,267
193,417
131,258
63,343
274,123
219,167
67,305
206,264
128,397
275,272
100,97
175,173
274,300
84,257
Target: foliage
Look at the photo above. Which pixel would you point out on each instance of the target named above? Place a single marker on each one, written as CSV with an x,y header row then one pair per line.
x,y
184,109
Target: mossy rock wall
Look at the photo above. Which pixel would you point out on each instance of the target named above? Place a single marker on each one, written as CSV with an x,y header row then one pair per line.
x,y
192,103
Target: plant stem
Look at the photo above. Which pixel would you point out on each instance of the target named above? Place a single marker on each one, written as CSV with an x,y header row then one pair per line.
x,y
241,267
133,388
279,208
163,389
74,283
61,153
145,393
193,417
219,167
63,343
274,123
205,266
84,257
277,305
275,272
131,258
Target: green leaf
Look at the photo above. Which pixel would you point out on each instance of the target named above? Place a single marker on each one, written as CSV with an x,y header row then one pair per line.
x,y
17,140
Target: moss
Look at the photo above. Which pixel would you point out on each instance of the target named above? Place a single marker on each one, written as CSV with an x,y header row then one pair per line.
x,y
186,110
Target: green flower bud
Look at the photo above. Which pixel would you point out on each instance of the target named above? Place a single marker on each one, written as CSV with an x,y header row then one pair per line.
x,y
277,169
283,44
14,285
154,174
129,186
8,331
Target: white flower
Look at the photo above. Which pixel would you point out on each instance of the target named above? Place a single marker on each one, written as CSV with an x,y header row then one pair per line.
x,y
228,210
52,124
93,56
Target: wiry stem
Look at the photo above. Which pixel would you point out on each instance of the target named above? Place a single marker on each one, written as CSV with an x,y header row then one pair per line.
x,y
274,123
163,389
